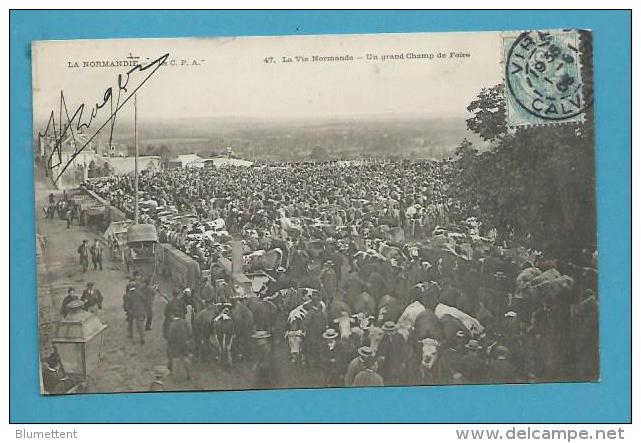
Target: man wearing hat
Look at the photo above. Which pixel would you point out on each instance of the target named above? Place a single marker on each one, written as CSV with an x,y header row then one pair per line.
x,y
500,369
391,354
329,281
511,336
452,356
92,298
358,364
148,293
54,378
369,376
314,325
265,367
179,344
83,252
473,363
96,255
174,308
134,307
207,292
330,358
71,296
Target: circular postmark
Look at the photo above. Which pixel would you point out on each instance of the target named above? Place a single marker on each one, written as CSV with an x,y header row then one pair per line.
x,y
543,74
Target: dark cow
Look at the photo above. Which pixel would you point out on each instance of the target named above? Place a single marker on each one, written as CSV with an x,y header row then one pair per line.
x,y
363,303
454,330
428,325
243,328
203,329
389,309
264,313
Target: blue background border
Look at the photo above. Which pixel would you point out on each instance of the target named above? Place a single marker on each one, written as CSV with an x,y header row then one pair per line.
x,y
608,401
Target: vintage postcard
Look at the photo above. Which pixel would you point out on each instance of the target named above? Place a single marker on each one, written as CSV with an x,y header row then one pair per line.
x,y
315,211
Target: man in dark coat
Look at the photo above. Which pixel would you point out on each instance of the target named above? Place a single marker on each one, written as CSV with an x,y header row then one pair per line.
x,y
391,354
473,364
329,282
71,296
499,369
174,308
266,366
92,298
134,306
179,344
83,252
207,292
96,255
314,325
148,293
369,376
330,359
69,216
358,364
54,377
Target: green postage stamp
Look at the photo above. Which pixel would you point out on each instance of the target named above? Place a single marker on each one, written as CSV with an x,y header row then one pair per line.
x,y
543,77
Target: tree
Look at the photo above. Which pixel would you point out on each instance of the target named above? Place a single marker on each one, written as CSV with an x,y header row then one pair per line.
x,y
489,113
535,182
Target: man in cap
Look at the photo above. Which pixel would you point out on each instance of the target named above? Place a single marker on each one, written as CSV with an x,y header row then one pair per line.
x,y
96,255
134,307
358,364
148,293
83,252
92,298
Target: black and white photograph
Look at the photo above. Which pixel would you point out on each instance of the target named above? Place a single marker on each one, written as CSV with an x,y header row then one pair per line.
x,y
330,211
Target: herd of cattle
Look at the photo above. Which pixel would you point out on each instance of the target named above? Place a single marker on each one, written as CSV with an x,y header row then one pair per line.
x,y
444,301
438,304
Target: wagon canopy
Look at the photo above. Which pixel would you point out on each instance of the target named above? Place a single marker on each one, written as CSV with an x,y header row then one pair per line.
x,y
142,233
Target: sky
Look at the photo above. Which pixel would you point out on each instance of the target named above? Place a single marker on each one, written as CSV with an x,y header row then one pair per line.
x,y
229,77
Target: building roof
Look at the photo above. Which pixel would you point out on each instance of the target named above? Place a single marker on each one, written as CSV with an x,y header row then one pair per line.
x,y
224,161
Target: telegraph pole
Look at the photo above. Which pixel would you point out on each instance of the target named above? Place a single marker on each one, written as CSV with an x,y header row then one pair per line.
x,y
136,159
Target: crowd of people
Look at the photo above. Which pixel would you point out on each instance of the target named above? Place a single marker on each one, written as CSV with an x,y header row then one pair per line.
x,y
429,295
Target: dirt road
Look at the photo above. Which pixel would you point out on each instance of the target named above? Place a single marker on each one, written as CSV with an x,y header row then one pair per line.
x,y
127,365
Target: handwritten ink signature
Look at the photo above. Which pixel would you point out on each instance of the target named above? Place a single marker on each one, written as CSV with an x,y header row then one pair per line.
x,y
116,100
